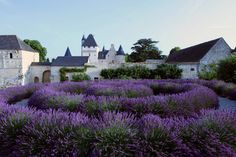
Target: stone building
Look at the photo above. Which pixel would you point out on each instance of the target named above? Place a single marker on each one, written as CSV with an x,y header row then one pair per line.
x,y
19,63
193,59
15,60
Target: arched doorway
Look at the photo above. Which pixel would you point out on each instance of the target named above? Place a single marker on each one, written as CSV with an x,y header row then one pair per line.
x,y
36,79
46,76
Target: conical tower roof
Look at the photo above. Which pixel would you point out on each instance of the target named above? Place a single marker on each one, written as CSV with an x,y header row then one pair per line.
x,y
90,41
120,51
68,53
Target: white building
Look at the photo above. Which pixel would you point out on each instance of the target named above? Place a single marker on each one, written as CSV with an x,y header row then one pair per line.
x,y
193,59
15,60
19,63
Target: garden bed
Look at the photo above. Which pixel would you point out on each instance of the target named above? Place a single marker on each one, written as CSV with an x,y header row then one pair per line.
x,y
116,118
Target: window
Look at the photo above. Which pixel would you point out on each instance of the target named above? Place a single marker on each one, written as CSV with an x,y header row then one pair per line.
x,y
11,56
192,69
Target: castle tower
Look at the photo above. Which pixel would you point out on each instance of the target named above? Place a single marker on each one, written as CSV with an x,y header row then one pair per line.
x,y
15,60
120,55
90,48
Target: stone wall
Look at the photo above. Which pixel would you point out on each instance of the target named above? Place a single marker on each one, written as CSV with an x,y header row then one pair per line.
x,y
37,71
27,59
219,51
10,68
92,52
190,70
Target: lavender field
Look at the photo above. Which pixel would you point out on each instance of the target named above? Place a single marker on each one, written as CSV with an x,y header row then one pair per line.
x,y
118,118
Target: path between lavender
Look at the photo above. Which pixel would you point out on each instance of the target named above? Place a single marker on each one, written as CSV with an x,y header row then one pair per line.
x,y
224,103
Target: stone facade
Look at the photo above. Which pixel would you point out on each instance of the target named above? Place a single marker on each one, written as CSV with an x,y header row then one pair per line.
x,y
193,59
20,65
219,51
15,65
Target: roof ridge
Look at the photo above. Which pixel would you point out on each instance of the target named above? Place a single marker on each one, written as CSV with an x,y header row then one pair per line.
x,y
193,53
22,43
204,43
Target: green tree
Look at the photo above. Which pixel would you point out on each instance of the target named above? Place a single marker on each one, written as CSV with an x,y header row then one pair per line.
x,y
227,69
145,49
36,45
175,49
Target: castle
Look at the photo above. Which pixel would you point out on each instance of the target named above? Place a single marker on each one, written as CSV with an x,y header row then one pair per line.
x,y
19,63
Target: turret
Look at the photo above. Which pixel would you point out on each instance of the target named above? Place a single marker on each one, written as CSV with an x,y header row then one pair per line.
x,y
90,48
120,51
68,53
120,55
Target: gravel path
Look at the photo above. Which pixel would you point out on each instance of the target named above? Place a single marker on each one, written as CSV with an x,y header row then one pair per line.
x,y
227,104
224,103
23,102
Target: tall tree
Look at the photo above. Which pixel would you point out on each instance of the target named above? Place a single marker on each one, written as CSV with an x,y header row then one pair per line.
x,y
36,45
175,49
144,49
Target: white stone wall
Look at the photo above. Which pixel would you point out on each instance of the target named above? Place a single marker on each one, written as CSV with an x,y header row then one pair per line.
x,y
55,73
10,68
120,59
37,71
190,70
27,59
92,52
219,51
111,55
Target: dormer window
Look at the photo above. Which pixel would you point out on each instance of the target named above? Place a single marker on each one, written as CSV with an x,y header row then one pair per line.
x,y
11,55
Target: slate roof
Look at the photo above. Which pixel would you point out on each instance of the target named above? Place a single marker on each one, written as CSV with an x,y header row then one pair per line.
x,y
89,42
68,53
41,64
120,51
12,42
192,54
70,61
102,54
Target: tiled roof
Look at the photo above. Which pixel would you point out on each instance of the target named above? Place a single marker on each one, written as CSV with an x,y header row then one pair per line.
x,y
89,42
192,54
70,61
41,64
12,42
102,54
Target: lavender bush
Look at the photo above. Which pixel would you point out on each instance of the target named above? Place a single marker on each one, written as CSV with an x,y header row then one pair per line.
x,y
189,98
25,132
178,120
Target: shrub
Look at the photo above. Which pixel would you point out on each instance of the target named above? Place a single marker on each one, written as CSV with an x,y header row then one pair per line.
x,y
127,90
164,71
80,77
26,132
136,97
209,72
168,71
170,124
115,135
227,69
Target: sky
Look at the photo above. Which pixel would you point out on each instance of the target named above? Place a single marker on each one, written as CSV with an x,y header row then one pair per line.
x,y
61,23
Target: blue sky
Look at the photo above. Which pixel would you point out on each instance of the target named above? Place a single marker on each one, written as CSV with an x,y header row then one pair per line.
x,y
61,23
